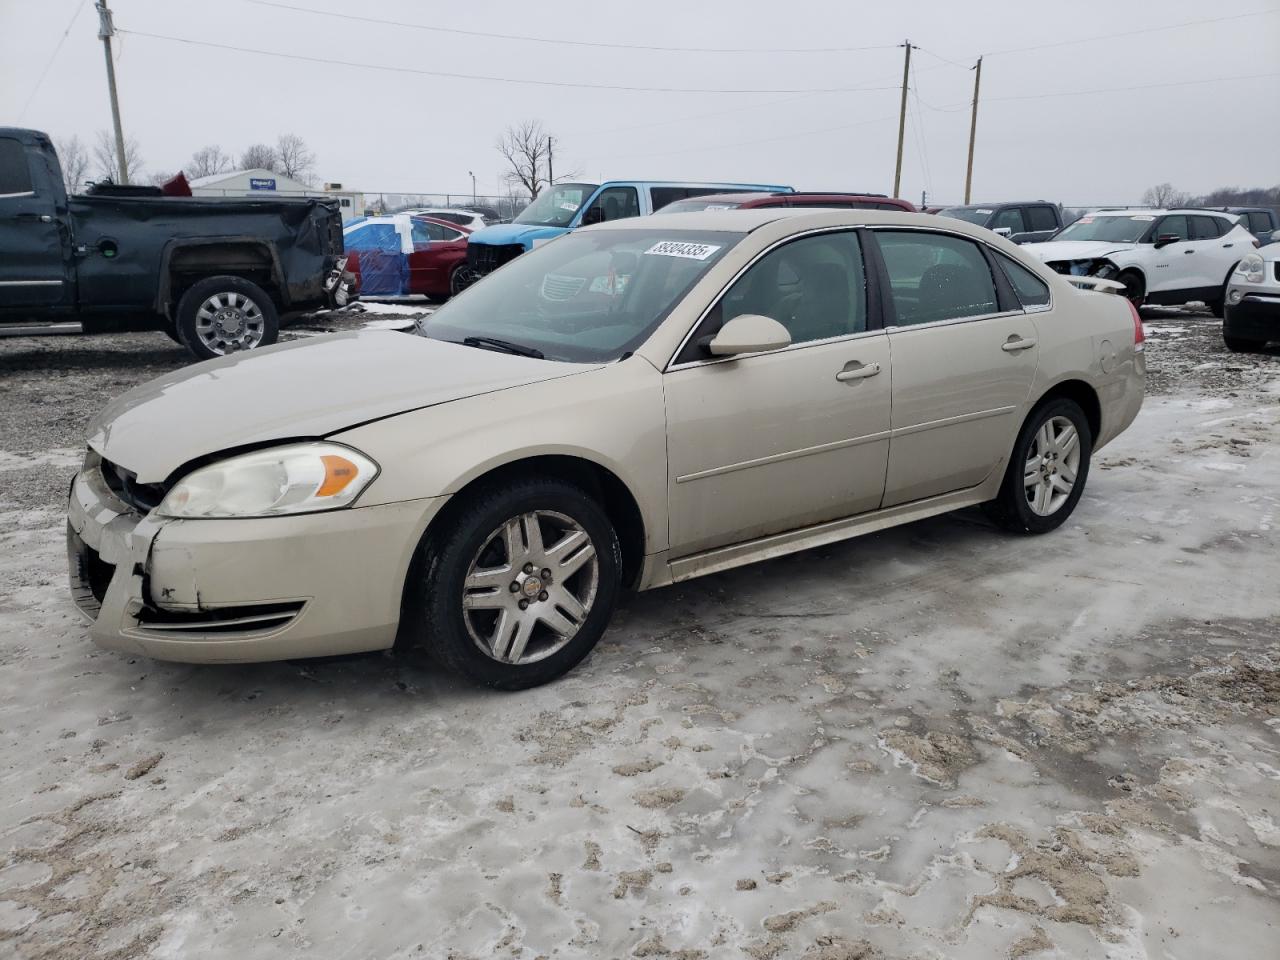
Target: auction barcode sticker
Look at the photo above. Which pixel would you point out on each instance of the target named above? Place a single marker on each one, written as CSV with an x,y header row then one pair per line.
x,y
678,248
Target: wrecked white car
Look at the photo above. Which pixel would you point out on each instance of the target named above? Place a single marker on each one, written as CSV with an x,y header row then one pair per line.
x,y
1160,256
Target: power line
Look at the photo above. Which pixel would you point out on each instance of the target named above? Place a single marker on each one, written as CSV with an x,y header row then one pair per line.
x,y
520,81
53,56
551,40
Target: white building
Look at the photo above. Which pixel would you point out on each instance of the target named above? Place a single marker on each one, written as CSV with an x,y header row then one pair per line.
x,y
266,183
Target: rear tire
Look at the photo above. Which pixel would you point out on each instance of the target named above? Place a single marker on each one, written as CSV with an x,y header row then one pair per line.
x,y
498,550
1047,469
222,315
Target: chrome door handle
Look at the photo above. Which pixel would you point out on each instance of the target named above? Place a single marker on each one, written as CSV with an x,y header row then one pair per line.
x,y
1022,343
860,372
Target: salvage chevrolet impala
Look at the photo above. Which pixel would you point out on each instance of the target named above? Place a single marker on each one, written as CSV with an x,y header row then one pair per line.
x,y
634,404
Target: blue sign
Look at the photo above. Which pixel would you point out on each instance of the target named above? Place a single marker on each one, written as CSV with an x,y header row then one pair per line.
x,y
262,183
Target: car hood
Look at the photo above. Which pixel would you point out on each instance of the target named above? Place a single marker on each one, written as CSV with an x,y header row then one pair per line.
x,y
1074,249
521,233
300,390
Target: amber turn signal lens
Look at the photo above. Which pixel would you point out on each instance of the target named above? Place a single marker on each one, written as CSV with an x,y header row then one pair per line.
x,y
338,473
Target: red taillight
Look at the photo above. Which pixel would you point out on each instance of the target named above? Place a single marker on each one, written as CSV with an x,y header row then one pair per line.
x,y
1139,335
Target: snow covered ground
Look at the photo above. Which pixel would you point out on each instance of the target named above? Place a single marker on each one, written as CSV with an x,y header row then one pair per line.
x,y
936,741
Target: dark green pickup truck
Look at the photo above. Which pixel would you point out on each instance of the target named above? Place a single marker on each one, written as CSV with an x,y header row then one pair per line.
x,y
214,273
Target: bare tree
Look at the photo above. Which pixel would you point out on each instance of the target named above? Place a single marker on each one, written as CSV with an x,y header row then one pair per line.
x,y
259,156
74,156
106,165
207,161
524,146
294,158
1165,195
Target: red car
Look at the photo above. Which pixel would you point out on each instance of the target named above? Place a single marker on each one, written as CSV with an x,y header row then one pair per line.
x,y
399,254
742,201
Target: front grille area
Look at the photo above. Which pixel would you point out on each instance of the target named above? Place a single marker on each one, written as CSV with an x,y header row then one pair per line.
x,y
143,497
90,574
248,619
485,258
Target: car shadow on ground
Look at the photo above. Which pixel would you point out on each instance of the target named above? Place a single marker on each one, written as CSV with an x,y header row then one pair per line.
x,y
800,585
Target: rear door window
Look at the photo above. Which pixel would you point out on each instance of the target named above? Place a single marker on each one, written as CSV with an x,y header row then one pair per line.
x,y
1206,228
15,174
935,277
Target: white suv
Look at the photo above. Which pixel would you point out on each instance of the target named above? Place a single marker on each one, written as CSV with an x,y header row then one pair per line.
x,y
1161,256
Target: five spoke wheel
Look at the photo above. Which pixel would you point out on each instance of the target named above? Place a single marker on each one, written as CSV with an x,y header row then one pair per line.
x,y
1049,474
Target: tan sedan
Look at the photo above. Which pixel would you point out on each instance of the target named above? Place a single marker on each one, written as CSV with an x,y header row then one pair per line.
x,y
629,406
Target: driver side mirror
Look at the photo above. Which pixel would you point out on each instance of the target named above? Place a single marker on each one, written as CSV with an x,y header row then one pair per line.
x,y
593,215
1275,236
1164,239
1003,231
749,333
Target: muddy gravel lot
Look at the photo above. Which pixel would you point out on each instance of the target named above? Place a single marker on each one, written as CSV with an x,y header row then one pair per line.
x,y
939,741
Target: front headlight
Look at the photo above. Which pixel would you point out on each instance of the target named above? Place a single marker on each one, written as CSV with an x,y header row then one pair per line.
x,y
1253,268
297,478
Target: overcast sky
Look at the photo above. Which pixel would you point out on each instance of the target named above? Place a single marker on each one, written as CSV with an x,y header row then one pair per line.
x,y
384,131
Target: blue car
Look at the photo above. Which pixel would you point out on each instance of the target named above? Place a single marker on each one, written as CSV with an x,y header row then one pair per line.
x,y
567,206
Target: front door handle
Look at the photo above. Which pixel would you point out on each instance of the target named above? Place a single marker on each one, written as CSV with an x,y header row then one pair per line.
x,y
42,217
1228,245
1188,252
857,371
1014,344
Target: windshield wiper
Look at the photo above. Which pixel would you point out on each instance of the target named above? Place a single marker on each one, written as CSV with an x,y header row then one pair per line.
x,y
494,343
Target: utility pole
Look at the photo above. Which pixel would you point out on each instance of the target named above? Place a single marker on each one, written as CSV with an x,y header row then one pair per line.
x,y
106,30
551,176
473,186
902,118
973,127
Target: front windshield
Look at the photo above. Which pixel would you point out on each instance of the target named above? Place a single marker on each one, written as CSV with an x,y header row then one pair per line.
x,y
1108,229
589,296
556,206
976,215
698,204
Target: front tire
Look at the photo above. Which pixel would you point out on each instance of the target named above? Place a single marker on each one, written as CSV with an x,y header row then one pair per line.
x,y
519,586
226,314
1047,469
1135,288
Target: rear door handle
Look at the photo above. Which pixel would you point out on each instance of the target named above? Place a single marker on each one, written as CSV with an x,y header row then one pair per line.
x,y
42,217
1228,245
857,371
1021,343
1188,251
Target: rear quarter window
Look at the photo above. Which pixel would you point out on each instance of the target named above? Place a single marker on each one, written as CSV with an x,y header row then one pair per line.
x,y
1032,292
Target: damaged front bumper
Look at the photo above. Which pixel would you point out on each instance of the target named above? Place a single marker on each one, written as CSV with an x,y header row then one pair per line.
x,y
1098,267
238,590
341,286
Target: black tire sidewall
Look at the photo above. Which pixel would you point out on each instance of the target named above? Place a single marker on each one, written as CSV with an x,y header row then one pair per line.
x,y
1011,504
1128,277
448,554
201,290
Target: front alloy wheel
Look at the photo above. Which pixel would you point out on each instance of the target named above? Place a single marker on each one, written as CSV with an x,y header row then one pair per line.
x,y
516,582
530,587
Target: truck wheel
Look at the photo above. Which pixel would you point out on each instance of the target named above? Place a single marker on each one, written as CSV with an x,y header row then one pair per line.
x,y
222,315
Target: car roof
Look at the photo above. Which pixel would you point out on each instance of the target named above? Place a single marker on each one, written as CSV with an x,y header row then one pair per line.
x,y
1000,203
1144,212
766,188
744,220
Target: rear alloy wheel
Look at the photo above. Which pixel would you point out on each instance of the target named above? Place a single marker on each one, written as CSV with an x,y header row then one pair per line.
x,y
518,588
1047,471
222,315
